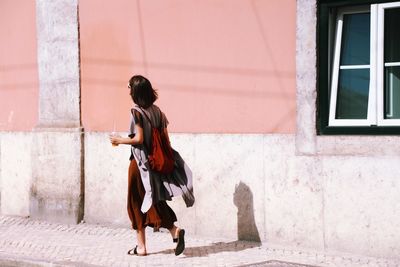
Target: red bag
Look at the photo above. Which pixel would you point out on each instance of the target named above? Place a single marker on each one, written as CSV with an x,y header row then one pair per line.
x,y
161,157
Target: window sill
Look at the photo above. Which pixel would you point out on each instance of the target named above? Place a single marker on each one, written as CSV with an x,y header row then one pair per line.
x,y
360,130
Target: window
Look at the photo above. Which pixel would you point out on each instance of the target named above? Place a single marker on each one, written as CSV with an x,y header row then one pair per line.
x,y
359,67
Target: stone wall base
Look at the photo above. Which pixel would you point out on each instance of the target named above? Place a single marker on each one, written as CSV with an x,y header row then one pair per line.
x,y
246,186
57,190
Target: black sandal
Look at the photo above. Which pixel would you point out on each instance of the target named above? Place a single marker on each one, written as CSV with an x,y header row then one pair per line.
x,y
133,251
180,246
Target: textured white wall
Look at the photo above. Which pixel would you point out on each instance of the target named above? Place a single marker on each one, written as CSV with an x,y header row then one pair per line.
x,y
320,202
57,160
15,173
361,204
319,192
58,63
247,186
106,178
57,170
357,174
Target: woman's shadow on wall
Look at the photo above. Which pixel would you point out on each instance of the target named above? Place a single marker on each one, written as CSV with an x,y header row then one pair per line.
x,y
243,200
248,235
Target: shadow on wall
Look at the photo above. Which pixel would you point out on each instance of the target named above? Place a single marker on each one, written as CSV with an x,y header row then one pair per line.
x,y
247,229
243,200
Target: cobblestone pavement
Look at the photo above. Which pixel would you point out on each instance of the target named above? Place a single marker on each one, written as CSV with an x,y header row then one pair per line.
x,y
27,242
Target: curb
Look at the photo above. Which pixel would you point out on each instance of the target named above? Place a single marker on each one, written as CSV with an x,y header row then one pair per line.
x,y
10,261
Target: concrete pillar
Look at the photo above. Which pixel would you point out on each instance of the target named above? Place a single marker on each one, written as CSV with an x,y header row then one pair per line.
x,y
57,154
306,76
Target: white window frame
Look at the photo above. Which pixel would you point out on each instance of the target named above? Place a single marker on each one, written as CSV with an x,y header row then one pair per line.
x,y
335,75
375,113
379,9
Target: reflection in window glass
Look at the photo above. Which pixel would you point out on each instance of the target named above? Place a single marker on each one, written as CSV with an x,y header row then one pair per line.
x,y
392,92
355,48
352,96
392,35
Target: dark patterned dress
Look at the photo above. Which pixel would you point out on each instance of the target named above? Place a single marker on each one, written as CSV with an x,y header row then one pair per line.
x,y
149,190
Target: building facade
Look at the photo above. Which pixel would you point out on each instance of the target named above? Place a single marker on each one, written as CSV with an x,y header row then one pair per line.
x,y
287,117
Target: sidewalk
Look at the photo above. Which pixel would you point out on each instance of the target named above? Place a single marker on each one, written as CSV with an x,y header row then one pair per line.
x,y
27,242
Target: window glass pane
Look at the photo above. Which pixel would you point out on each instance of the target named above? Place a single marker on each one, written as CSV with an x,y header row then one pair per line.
x,y
352,96
392,35
355,39
392,92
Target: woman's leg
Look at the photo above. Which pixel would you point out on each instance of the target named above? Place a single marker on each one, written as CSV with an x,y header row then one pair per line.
x,y
134,201
141,241
174,231
178,237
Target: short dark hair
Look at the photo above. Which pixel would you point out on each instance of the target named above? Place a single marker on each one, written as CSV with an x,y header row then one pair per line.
x,y
142,92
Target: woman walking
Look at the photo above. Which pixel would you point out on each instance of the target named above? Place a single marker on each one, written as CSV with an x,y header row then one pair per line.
x,y
148,189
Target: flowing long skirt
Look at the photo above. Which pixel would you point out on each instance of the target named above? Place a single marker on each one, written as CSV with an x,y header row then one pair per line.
x,y
159,215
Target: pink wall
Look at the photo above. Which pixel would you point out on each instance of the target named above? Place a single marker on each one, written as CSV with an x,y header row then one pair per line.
x,y
224,66
18,66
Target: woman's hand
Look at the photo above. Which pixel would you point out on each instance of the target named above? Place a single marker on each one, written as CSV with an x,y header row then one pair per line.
x,y
136,140
115,139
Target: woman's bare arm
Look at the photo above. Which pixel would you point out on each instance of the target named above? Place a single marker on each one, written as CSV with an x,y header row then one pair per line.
x,y
136,140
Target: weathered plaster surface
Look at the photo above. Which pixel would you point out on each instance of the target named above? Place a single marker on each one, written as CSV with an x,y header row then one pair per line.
x,y
228,173
106,180
256,186
357,174
57,154
294,195
57,192
246,186
362,210
58,63
358,145
15,172
306,62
